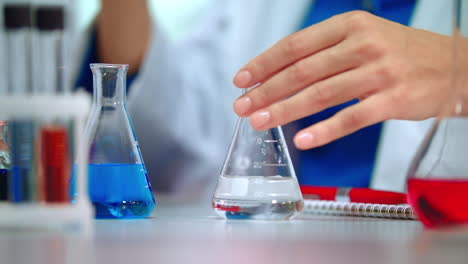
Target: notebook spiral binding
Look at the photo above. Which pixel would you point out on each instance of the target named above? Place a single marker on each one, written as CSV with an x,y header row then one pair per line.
x,y
403,211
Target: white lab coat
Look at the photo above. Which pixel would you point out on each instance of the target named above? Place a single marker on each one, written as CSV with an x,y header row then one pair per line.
x,y
181,103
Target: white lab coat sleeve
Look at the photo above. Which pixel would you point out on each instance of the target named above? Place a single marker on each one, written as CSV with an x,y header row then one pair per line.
x,y
181,107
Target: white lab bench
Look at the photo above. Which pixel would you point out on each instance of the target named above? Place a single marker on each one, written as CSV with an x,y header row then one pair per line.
x,y
190,233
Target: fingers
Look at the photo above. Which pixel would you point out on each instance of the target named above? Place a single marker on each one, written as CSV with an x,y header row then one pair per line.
x,y
317,97
290,49
307,71
345,122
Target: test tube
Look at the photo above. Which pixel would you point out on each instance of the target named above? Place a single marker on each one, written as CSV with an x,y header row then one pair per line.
x,y
22,181
49,24
3,52
18,23
4,153
54,137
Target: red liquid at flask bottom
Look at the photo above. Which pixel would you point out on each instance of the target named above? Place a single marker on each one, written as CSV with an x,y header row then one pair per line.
x,y
439,202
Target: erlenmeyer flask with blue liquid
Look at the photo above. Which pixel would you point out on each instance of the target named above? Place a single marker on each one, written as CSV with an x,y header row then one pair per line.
x,y
117,179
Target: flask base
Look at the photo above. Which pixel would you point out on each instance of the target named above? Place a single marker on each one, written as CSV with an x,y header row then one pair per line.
x,y
256,209
439,202
123,210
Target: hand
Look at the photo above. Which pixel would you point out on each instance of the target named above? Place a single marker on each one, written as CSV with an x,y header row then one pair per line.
x,y
396,72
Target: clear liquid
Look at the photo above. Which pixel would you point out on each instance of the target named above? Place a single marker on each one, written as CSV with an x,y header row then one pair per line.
x,y
257,197
120,191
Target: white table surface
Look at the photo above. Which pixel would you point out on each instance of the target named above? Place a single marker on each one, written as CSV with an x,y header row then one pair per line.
x,y
183,233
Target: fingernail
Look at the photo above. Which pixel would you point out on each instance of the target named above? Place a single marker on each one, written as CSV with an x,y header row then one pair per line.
x,y
304,140
260,119
242,105
242,78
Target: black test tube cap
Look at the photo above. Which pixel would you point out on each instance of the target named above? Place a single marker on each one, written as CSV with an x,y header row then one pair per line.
x,y
50,18
17,16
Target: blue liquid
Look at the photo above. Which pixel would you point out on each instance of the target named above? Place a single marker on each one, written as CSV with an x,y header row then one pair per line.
x,y
120,190
72,191
20,185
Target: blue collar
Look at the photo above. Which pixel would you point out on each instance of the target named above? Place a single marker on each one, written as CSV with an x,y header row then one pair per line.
x,y
399,11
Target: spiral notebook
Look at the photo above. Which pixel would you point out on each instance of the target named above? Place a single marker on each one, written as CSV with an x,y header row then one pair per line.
x,y
403,211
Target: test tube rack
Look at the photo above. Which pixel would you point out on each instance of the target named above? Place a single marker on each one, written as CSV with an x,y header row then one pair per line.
x,y
41,215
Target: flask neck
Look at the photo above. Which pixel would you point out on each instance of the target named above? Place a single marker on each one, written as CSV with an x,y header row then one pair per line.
x,y
109,84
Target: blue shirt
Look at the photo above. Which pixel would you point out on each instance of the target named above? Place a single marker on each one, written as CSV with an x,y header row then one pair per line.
x,y
348,161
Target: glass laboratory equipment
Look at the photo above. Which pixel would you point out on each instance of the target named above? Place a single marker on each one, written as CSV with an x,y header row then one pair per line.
x,y
41,156
117,178
438,177
44,132
258,179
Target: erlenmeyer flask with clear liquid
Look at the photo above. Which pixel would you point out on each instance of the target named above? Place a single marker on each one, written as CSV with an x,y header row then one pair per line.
x,y
258,179
117,179
438,177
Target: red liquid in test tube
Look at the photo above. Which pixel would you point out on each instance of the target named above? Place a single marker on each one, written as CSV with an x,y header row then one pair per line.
x,y
55,163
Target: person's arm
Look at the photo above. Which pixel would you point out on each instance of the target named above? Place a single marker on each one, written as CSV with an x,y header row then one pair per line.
x,y
123,32
461,80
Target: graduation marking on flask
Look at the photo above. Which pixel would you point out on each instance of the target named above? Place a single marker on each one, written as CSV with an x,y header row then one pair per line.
x,y
259,164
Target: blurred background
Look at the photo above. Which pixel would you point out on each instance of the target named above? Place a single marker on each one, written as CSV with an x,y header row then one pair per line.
x,y
172,17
